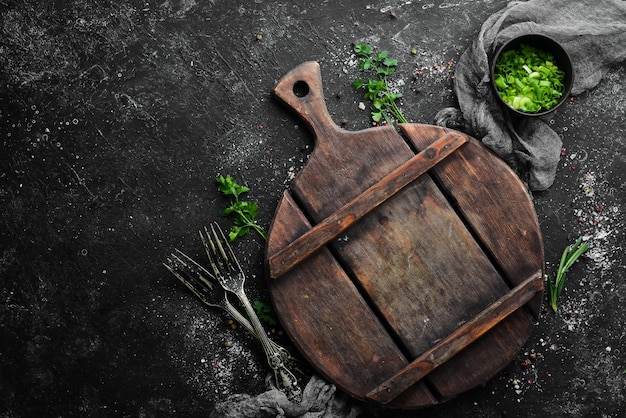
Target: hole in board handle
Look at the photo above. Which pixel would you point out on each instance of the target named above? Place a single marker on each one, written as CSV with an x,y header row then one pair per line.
x,y
301,89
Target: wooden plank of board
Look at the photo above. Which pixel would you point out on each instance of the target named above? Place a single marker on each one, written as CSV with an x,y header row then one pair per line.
x,y
329,321
494,202
458,340
351,212
492,353
419,266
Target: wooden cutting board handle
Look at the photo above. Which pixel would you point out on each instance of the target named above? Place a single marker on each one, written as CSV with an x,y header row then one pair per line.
x,y
301,89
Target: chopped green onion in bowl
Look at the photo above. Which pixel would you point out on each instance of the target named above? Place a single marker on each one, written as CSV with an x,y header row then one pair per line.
x,y
528,79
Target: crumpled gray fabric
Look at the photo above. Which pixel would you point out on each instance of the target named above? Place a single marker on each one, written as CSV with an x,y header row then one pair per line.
x,y
320,399
594,35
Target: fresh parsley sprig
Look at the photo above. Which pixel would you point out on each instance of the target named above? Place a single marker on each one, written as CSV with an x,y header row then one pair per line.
x,y
377,90
569,256
242,212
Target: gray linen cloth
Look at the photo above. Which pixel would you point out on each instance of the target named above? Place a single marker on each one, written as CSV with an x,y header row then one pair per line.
x,y
594,35
320,399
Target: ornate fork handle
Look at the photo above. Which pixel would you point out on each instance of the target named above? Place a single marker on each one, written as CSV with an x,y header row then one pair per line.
x,y
230,275
285,380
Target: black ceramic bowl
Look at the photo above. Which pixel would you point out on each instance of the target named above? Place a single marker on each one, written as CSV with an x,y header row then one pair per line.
x,y
547,44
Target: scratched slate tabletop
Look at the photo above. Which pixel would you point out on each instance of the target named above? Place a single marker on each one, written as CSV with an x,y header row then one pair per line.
x,y
115,120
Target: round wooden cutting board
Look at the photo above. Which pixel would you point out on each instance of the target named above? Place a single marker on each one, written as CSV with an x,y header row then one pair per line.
x,y
407,267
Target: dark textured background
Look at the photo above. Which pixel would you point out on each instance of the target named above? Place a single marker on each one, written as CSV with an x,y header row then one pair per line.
x,y
115,119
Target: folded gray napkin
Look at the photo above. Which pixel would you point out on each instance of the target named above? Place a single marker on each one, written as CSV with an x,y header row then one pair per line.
x,y
320,399
594,35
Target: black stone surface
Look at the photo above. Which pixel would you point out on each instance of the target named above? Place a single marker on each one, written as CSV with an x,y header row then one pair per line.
x,y
115,120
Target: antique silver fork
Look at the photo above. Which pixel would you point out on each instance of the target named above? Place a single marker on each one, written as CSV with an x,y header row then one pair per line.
x,y
228,272
202,284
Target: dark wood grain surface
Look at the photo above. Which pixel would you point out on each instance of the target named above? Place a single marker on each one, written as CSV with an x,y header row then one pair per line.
x,y
375,281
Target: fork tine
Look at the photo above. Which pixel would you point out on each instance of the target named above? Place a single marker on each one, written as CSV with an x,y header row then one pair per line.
x,y
228,254
184,281
191,274
198,269
218,244
211,251
201,292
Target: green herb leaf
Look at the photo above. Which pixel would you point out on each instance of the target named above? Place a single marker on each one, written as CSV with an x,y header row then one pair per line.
x,y
243,213
384,70
381,56
390,62
377,90
237,232
568,258
365,64
228,186
265,312
363,49
357,84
